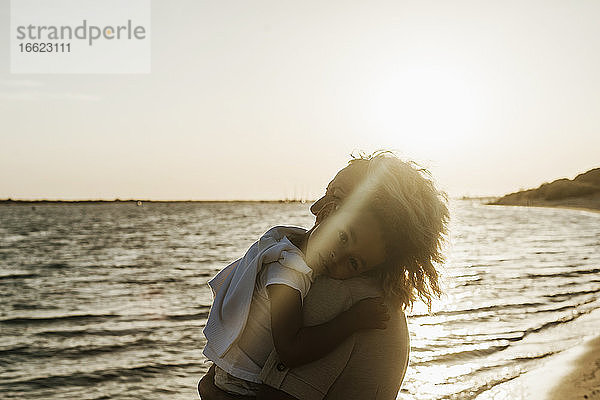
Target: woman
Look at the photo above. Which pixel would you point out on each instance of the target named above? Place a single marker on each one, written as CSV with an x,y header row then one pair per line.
x,y
371,364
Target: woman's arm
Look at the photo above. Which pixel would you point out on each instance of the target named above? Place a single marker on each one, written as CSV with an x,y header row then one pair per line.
x,y
296,344
370,362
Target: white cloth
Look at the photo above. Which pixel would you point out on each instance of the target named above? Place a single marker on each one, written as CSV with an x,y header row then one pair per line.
x,y
241,302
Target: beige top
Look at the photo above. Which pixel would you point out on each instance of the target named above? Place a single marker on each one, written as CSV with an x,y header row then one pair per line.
x,y
368,365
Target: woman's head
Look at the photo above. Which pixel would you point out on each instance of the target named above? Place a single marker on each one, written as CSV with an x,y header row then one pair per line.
x,y
411,217
340,187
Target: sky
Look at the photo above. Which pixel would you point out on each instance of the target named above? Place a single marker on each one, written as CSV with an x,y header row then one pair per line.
x,y
267,99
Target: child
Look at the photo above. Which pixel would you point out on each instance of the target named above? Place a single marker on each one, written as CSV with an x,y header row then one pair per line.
x,y
258,299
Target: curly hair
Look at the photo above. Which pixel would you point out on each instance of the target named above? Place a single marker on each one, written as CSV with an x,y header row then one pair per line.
x,y
413,216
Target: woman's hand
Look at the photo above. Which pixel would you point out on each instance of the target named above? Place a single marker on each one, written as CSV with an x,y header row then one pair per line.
x,y
369,313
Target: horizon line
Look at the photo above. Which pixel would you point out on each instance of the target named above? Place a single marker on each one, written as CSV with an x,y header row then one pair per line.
x,y
136,200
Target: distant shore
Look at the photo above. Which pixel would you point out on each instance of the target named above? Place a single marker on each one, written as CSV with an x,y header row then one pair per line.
x,y
587,203
581,193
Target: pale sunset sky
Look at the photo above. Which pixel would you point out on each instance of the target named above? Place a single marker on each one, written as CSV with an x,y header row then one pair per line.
x,y
267,99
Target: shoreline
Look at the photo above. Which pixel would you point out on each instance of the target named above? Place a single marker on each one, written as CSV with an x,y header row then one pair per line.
x,y
572,374
583,380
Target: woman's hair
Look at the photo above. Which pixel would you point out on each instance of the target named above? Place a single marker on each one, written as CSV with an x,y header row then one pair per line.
x,y
413,216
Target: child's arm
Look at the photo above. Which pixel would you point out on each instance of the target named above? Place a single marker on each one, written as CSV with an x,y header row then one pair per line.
x,y
297,344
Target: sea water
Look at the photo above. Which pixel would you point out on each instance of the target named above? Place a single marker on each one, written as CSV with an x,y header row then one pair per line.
x,y
108,301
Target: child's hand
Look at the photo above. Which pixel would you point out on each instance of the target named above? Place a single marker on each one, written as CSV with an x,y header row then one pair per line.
x,y
369,313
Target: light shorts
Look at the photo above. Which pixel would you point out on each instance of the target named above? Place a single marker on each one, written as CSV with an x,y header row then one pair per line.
x,y
233,385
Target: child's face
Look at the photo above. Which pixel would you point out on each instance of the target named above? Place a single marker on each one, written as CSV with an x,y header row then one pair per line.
x,y
345,245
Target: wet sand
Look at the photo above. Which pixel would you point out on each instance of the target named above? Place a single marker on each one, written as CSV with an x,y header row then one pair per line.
x,y
583,382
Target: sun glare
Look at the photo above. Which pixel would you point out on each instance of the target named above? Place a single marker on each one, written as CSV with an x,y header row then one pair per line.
x,y
425,107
